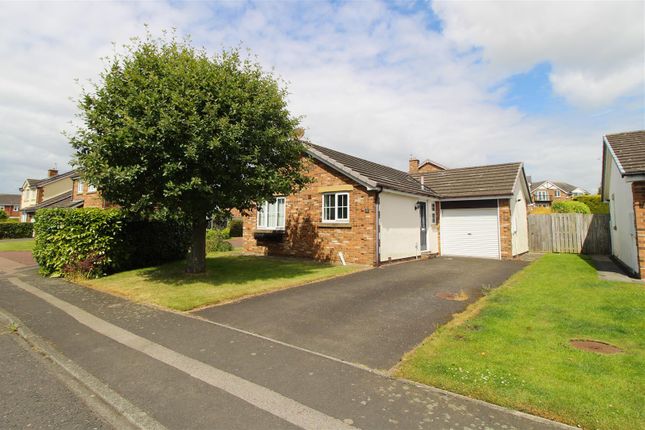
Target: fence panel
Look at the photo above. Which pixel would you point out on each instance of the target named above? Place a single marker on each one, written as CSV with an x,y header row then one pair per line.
x,y
569,233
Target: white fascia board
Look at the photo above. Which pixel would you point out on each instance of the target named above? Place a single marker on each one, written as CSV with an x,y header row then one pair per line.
x,y
634,178
457,199
613,154
416,196
363,180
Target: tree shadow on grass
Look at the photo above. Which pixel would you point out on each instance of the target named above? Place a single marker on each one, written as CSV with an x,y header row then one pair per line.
x,y
235,269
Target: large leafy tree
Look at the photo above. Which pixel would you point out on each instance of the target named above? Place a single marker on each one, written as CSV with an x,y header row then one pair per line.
x,y
169,128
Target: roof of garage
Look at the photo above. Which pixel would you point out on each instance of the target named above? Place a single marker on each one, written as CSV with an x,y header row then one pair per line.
x,y
480,181
629,151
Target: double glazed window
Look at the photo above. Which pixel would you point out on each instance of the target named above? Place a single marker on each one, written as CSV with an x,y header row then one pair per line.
x,y
335,207
271,215
91,189
542,196
79,187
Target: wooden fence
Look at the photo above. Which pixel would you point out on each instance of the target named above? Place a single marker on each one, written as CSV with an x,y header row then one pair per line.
x,y
569,233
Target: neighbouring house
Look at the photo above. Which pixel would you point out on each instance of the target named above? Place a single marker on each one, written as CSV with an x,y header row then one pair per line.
x,y
53,191
544,193
86,195
361,212
10,204
623,187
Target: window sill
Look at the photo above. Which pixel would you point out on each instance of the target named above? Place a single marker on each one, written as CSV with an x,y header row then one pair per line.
x,y
335,225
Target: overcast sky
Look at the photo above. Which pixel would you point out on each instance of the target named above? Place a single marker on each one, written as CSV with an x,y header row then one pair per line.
x,y
462,83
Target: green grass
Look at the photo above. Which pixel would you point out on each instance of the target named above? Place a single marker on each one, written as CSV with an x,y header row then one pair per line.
x,y
16,245
512,347
229,276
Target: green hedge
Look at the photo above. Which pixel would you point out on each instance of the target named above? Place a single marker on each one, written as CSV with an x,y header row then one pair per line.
x,y
93,242
595,203
216,240
16,230
569,206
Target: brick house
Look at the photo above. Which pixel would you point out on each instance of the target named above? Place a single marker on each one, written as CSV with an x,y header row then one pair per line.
x,y
362,212
65,190
53,191
544,193
86,195
623,187
10,204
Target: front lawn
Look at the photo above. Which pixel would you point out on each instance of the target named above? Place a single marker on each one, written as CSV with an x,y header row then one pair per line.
x,y
512,347
16,244
229,276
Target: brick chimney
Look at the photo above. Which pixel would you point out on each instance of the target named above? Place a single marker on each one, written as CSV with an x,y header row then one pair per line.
x,y
52,172
413,166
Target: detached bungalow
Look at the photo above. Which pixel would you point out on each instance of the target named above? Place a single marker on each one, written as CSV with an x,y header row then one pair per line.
x,y
623,186
362,212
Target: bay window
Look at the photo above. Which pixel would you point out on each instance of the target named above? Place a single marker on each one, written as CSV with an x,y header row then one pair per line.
x,y
335,207
271,215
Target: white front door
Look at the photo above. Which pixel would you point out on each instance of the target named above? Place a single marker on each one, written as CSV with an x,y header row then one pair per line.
x,y
472,232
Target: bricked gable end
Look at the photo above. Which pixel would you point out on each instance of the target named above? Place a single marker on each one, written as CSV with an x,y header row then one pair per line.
x,y
306,235
638,192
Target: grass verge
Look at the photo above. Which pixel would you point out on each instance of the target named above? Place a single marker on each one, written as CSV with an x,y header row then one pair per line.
x,y
16,245
512,347
229,276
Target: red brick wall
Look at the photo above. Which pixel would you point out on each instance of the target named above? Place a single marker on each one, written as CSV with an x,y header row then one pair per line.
x,y
505,235
307,236
429,167
8,209
90,200
638,191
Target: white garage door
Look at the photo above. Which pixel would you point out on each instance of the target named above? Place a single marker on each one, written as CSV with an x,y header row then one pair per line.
x,y
470,232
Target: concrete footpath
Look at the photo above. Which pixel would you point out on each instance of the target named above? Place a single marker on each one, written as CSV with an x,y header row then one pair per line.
x,y
182,372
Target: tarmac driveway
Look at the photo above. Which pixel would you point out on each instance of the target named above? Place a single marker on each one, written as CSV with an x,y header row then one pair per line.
x,y
371,317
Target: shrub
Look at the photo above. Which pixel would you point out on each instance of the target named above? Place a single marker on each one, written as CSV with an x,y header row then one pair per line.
x,y
9,220
235,227
595,203
16,230
568,206
540,210
216,241
93,242
3,216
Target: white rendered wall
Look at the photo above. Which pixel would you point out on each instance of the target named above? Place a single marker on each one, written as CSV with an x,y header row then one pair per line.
x,y
621,210
399,226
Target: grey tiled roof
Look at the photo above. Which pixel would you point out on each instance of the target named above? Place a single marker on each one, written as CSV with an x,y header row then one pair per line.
x,y
564,186
46,181
479,181
629,149
61,201
9,199
373,173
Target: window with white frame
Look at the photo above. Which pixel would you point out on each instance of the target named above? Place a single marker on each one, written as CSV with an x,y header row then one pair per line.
x,y
271,215
433,213
91,189
335,207
557,193
542,196
79,186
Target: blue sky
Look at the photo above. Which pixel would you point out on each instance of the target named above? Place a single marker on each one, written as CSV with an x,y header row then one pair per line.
x,y
462,83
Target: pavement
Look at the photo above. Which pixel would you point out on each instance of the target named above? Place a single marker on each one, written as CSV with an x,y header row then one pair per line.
x,y
371,317
608,270
174,370
32,396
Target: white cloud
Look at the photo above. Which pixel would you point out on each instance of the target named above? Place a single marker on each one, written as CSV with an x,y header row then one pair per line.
x,y
596,48
369,81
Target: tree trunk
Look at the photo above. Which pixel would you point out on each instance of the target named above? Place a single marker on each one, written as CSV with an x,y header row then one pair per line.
x,y
196,262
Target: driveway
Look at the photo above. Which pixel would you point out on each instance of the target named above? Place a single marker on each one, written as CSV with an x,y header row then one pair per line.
x,y
371,317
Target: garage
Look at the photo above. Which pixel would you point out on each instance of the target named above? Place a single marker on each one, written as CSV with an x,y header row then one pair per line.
x,y
470,229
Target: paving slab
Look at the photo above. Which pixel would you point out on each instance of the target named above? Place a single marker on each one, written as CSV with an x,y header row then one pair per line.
x,y
371,317
353,395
